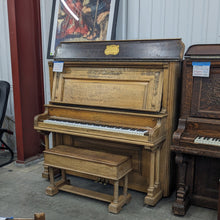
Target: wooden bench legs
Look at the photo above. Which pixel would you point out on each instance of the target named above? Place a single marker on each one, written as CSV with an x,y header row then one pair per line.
x,y
116,201
53,189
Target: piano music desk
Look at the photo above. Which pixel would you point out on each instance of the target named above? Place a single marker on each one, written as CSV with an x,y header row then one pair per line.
x,y
100,164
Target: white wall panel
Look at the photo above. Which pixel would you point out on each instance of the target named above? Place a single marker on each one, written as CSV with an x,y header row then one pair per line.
x,y
199,21
6,74
213,20
133,19
157,20
218,36
46,8
145,19
121,28
195,21
5,59
171,19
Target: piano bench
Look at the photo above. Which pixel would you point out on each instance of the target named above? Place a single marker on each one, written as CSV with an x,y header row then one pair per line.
x,y
99,164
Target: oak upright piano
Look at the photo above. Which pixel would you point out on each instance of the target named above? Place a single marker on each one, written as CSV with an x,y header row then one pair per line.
x,y
118,97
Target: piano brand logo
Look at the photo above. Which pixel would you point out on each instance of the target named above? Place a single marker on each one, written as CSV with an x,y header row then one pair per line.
x,y
112,50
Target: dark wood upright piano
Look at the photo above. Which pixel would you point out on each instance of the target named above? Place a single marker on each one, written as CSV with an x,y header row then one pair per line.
x,y
118,97
197,139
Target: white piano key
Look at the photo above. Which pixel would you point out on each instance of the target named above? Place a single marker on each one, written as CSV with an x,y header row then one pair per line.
x,y
207,140
98,127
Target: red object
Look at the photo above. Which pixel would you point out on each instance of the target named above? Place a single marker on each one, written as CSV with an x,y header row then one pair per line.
x,y
27,73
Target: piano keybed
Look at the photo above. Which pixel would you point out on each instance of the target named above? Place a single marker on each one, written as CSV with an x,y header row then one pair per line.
x,y
207,140
101,127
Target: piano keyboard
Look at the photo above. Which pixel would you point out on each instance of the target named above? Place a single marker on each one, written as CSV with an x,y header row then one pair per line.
x,y
207,140
132,131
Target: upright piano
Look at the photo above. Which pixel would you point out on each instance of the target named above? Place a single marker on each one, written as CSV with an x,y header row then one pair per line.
x,y
118,97
197,139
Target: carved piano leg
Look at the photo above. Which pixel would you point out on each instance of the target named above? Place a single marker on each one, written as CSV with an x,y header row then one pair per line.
x,y
53,188
154,192
182,195
118,201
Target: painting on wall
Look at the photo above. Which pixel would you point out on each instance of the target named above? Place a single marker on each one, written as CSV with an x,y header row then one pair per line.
x,y
81,20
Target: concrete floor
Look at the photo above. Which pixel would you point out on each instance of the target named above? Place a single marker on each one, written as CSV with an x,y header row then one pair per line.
x,y
22,193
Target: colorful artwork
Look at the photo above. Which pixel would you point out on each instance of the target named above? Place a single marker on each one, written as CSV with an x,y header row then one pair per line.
x,y
82,20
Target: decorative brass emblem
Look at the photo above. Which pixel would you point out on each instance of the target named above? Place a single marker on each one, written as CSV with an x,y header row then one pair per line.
x,y
112,50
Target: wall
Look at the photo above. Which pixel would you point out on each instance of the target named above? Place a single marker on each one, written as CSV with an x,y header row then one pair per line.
x,y
195,21
5,72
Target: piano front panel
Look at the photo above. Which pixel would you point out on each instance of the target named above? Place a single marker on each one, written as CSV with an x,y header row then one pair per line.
x,y
138,178
205,190
206,95
115,87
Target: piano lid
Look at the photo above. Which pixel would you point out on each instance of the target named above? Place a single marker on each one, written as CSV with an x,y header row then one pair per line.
x,y
140,50
203,51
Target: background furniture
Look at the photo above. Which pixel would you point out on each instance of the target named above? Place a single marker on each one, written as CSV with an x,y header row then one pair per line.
x,y
196,141
4,92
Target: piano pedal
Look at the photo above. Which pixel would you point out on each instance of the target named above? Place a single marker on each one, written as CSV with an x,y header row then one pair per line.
x,y
97,180
106,182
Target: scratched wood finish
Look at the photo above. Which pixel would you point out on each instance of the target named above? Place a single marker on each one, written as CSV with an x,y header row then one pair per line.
x,y
198,164
95,163
150,154
127,88
206,103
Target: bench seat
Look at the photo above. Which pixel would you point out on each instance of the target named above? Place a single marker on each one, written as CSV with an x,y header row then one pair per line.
x,y
96,163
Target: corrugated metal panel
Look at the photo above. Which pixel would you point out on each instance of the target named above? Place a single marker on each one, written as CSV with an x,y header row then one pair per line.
x,y
46,7
5,61
195,21
6,74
